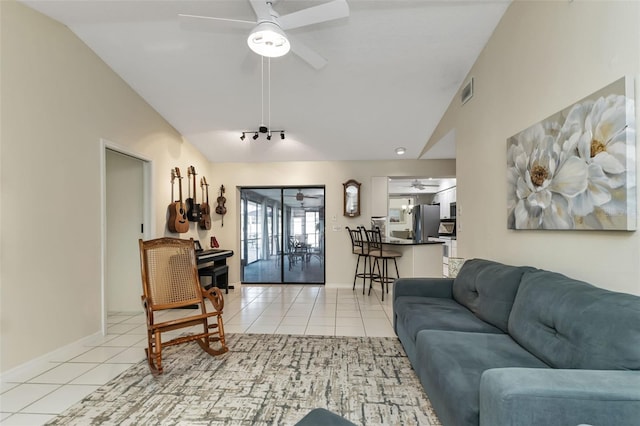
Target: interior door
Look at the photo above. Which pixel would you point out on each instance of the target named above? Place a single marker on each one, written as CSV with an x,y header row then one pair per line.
x,y
125,216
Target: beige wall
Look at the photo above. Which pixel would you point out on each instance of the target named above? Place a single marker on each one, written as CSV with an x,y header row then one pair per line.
x,y
542,57
340,263
60,103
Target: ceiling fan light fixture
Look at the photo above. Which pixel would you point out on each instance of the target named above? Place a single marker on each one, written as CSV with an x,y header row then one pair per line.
x,y
268,39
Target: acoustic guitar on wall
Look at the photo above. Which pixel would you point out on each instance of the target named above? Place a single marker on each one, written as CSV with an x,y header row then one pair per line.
x,y
205,220
193,208
177,210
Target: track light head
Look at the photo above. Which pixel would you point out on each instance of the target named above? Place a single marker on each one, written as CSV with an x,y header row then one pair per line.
x,y
282,135
242,137
255,136
269,137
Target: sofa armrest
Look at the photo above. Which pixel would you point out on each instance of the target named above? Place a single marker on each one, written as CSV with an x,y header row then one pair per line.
x,y
532,396
423,287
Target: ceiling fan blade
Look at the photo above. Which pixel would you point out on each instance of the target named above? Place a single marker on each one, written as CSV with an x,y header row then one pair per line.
x,y
324,12
306,53
189,18
262,9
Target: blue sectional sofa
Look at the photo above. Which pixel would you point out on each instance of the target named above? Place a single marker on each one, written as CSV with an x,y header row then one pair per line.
x,y
507,345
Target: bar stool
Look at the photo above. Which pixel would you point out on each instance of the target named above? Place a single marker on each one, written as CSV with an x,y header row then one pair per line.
x,y
359,247
379,254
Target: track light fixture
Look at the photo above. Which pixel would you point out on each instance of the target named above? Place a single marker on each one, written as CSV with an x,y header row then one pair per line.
x,y
264,128
261,129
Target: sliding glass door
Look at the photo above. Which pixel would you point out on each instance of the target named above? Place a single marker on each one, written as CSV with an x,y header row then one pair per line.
x,y
282,235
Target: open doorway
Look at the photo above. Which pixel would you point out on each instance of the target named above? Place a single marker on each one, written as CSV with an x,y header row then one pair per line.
x,y
407,192
282,235
126,217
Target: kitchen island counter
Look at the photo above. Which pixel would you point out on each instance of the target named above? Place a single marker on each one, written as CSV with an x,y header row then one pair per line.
x,y
419,259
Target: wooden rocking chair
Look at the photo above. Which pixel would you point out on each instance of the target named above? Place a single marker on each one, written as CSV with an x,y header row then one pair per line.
x,y
170,280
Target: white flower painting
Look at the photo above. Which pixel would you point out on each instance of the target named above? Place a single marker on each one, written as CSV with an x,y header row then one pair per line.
x,y
576,169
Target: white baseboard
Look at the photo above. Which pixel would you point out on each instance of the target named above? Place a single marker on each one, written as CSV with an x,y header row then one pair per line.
x,y
15,374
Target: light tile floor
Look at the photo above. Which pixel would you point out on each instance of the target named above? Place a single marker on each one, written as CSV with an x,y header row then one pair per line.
x,y
36,396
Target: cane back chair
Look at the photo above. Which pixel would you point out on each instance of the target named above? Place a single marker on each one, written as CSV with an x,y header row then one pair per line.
x,y
170,280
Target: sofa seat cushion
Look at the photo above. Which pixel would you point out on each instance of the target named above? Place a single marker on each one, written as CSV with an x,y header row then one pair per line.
x,y
572,324
414,314
450,364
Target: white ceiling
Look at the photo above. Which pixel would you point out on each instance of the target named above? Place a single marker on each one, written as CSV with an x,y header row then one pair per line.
x,y
393,68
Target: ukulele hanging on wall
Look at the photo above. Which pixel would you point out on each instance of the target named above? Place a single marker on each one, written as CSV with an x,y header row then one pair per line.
x,y
177,210
220,208
205,220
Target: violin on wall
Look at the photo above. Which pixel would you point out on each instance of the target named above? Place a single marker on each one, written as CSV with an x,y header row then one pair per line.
x,y
220,208
205,220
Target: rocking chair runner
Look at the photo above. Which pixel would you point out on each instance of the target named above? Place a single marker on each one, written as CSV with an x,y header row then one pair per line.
x,y
170,280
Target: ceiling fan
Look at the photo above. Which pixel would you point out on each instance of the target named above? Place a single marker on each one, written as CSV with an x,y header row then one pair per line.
x,y
268,38
300,196
416,184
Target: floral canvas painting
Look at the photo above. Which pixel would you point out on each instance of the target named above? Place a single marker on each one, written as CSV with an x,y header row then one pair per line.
x,y
576,169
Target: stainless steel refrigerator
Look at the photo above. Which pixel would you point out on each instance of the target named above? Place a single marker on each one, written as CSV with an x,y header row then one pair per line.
x,y
426,221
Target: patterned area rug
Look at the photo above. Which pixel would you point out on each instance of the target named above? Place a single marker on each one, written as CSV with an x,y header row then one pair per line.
x,y
264,380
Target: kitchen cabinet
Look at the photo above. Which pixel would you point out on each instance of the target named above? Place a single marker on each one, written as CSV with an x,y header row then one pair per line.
x,y
445,198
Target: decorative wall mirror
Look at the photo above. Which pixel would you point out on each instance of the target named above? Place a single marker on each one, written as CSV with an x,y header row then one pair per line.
x,y
351,198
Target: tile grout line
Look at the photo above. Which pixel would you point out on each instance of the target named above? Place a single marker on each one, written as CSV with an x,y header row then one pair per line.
x,y
299,294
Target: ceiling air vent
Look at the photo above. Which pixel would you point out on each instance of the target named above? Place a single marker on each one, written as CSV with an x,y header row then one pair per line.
x,y
467,92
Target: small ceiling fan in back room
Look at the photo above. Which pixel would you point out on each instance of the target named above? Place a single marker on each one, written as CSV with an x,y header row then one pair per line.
x,y
420,186
300,196
267,38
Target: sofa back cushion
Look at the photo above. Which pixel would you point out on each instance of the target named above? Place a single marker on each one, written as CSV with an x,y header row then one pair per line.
x,y
487,289
571,324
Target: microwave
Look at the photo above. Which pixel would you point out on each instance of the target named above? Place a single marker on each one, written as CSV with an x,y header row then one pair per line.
x,y
447,228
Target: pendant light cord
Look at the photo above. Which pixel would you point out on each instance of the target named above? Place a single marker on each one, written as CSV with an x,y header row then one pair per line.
x,y
262,89
262,127
269,88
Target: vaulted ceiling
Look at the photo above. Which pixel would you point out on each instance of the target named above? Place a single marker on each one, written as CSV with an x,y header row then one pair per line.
x,y
393,68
